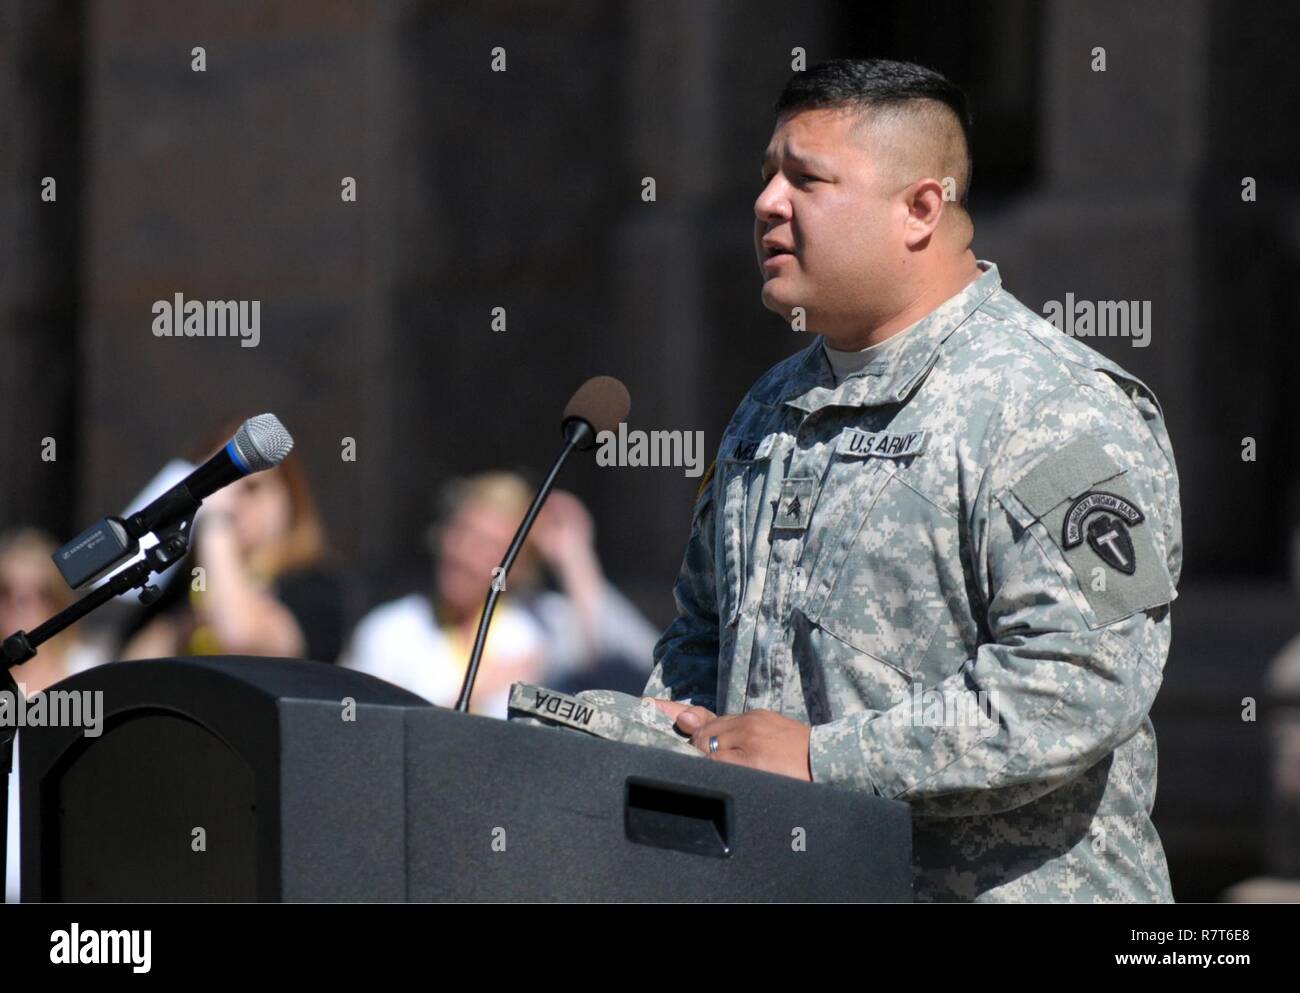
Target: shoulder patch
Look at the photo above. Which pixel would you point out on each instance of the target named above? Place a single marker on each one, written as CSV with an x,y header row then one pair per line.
x,y
1108,517
1090,509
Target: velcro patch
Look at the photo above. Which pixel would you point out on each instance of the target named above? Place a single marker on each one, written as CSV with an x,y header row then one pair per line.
x,y
551,705
880,444
795,507
603,713
748,449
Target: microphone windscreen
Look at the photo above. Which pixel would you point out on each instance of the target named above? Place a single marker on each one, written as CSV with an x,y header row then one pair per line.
x,y
263,442
601,401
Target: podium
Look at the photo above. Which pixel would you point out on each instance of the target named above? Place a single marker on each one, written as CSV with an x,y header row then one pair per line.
x,y
250,779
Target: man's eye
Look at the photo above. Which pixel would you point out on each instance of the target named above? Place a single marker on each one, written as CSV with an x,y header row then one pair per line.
x,y
800,178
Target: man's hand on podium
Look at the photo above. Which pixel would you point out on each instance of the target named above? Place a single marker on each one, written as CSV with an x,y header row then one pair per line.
x,y
759,739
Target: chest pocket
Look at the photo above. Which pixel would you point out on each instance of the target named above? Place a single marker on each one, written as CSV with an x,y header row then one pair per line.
x,y
877,581
742,474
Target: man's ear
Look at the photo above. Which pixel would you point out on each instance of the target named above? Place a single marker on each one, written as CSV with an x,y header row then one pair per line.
x,y
925,205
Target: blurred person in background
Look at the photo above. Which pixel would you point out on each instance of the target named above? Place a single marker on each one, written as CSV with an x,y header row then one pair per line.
x,y
584,634
422,643
268,586
1279,880
595,637
31,592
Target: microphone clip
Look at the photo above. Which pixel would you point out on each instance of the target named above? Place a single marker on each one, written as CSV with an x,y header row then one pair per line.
x,y
173,545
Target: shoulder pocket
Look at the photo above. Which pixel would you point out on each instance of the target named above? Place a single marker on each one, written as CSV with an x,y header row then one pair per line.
x,y
1098,528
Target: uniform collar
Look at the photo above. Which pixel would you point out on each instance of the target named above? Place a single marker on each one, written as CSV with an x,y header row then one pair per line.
x,y
891,377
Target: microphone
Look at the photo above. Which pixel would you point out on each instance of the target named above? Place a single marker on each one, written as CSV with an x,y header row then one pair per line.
x,y
260,443
599,405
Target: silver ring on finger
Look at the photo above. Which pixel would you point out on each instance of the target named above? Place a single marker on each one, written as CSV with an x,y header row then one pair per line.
x,y
713,743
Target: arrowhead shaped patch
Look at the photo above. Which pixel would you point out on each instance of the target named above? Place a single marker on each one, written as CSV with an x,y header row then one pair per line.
x,y
1109,538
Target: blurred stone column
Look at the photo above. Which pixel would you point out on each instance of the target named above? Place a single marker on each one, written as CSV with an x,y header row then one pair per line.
x,y
1282,833
225,184
40,134
700,79
1115,217
670,128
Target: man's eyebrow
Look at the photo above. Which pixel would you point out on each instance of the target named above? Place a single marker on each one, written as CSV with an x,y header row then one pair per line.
x,y
797,157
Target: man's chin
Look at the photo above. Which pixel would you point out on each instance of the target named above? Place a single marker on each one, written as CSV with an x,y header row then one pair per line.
x,y
777,301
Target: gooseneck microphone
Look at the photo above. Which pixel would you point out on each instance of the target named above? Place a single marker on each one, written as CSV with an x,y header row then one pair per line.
x,y
260,443
599,405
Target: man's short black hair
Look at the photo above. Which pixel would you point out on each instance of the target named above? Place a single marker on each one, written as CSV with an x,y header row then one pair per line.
x,y
873,84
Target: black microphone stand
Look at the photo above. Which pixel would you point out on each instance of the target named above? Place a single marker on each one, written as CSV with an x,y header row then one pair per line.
x,y
20,647
577,434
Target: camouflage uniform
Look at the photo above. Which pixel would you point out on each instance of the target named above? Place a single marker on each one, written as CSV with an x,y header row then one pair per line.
x,y
987,515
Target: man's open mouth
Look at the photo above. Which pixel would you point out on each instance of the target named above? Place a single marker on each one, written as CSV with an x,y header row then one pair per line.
x,y
772,251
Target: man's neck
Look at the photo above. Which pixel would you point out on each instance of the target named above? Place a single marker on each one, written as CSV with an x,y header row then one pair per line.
x,y
927,298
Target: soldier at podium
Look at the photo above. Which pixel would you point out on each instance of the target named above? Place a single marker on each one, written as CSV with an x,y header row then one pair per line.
x,y
935,556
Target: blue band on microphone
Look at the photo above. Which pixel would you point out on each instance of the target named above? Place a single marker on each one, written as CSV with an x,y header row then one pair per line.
x,y
236,458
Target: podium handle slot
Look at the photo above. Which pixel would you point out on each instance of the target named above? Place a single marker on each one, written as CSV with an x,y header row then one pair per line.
x,y
667,815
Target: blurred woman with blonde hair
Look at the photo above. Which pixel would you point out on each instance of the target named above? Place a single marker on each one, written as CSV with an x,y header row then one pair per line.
x,y
31,592
422,642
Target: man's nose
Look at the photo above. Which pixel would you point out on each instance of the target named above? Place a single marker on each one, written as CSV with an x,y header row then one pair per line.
x,y
772,203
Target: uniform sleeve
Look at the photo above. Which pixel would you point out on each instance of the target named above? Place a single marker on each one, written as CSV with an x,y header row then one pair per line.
x,y
686,654
1077,599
